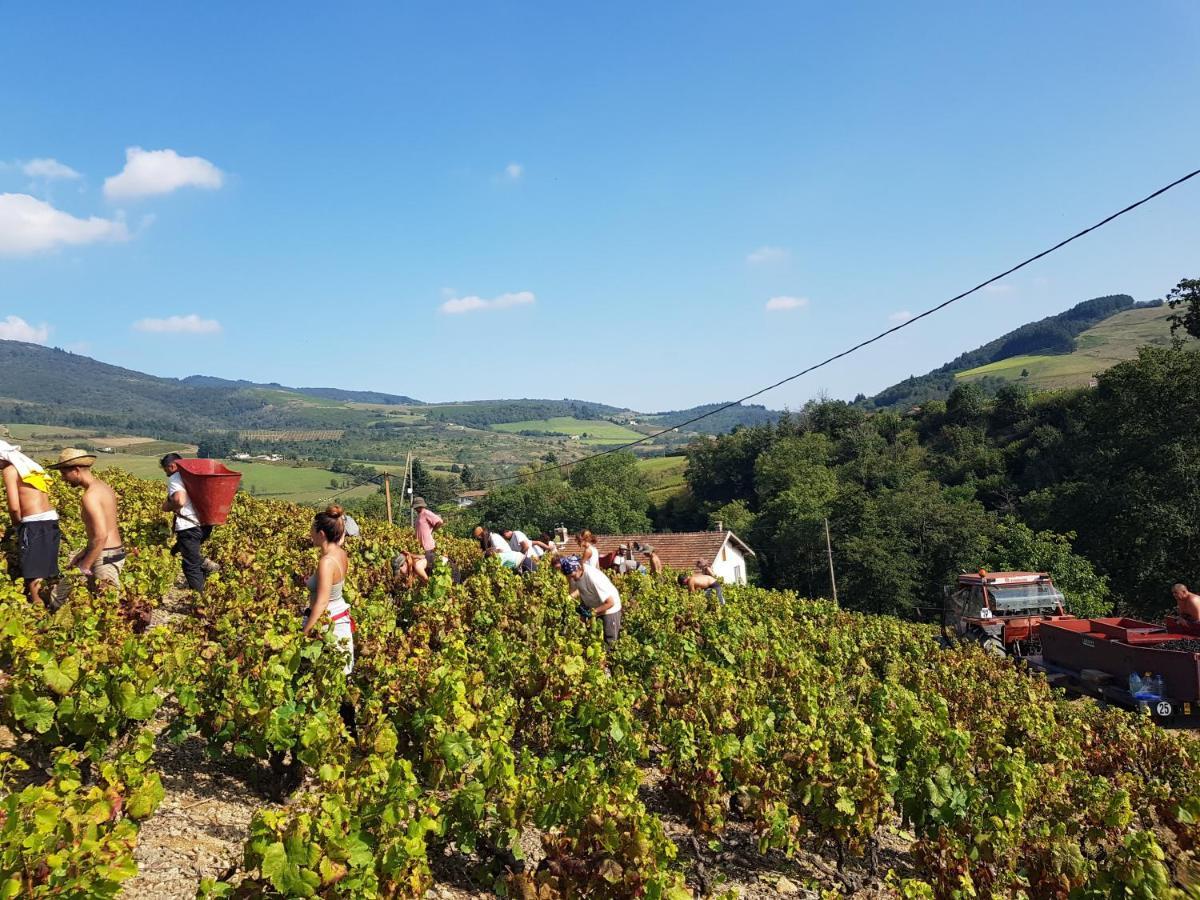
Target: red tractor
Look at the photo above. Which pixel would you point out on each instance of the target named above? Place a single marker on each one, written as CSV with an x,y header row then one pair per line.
x,y
1002,611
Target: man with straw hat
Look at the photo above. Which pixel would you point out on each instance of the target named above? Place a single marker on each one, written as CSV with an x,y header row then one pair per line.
x,y
101,560
34,519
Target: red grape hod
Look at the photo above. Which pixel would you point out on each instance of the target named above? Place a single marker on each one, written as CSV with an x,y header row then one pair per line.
x,y
211,488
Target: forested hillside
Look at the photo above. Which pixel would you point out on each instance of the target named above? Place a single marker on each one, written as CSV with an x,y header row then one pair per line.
x,y
1097,486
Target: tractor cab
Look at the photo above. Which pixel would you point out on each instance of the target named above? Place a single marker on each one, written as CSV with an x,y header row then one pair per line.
x,y
1002,611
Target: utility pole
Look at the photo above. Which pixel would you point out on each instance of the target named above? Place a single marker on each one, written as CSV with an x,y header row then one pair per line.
x,y
387,493
408,482
829,555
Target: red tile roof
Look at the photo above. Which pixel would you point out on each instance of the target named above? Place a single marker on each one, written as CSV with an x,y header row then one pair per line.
x,y
678,550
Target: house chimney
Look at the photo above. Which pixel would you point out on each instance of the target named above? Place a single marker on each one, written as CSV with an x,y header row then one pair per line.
x,y
560,536
720,525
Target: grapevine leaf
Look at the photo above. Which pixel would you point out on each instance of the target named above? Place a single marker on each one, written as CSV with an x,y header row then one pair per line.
x,y
146,798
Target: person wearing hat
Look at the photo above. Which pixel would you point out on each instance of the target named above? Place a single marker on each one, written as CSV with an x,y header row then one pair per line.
x,y
596,594
34,519
101,560
427,523
652,557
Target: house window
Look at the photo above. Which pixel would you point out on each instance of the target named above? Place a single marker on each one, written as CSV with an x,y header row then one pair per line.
x,y
737,574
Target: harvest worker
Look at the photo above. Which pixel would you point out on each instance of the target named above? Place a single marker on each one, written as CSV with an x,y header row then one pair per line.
x,y
327,606
520,542
591,554
492,543
596,594
699,581
189,533
652,557
427,523
101,560
408,566
35,519
1186,602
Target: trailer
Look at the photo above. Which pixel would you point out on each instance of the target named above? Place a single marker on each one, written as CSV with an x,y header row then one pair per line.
x,y
1096,657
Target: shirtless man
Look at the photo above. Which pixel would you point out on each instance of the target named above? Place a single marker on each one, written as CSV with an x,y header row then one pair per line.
x,y
33,517
1186,602
700,581
101,560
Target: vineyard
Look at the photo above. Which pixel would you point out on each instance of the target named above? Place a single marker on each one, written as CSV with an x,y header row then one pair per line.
x,y
489,714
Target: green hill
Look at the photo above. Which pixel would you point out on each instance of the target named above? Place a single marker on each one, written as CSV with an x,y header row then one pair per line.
x,y
1115,339
1053,336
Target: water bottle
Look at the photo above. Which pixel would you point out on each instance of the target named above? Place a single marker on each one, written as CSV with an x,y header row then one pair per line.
x,y
1156,686
1135,684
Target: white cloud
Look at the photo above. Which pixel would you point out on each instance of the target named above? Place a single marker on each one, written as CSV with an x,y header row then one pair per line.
x,y
458,305
29,225
149,172
999,288
779,304
14,328
190,324
513,171
902,316
48,169
764,255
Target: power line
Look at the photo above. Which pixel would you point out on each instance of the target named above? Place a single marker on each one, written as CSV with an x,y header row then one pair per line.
x,y
861,344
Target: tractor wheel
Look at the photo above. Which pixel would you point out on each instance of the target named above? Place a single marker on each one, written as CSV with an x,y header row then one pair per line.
x,y
993,647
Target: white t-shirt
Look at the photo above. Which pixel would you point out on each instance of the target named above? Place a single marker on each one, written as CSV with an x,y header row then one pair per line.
x,y
591,557
518,541
499,542
186,517
625,564
595,587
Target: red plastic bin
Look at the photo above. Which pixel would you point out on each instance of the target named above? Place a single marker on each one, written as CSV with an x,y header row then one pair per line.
x,y
211,488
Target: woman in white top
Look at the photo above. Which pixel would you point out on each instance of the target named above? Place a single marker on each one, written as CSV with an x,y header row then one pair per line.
x,y
327,607
589,555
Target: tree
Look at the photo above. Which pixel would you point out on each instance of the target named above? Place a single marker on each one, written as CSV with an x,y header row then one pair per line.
x,y
216,444
616,471
1186,295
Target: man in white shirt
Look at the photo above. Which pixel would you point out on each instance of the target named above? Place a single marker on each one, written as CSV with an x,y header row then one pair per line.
x,y
596,594
189,533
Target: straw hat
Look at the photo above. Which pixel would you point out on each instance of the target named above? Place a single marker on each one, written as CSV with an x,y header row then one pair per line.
x,y
72,457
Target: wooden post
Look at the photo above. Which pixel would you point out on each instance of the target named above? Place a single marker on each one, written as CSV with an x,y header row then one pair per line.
x,y
829,554
387,493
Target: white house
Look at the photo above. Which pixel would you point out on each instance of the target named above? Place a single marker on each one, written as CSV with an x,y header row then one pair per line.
x,y
723,550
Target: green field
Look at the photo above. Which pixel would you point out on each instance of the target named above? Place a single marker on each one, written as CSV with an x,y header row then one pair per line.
x,y
597,430
279,482
1102,346
664,475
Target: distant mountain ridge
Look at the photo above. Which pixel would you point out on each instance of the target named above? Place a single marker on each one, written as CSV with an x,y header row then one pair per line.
x,y
324,392
52,386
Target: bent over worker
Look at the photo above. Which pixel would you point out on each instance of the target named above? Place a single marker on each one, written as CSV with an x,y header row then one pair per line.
x,y
699,581
104,556
597,596
33,517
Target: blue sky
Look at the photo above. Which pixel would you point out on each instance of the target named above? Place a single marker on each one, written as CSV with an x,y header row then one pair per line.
x,y
609,196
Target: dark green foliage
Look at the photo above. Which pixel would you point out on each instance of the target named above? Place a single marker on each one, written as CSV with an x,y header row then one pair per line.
x,y
605,494
482,414
1186,295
